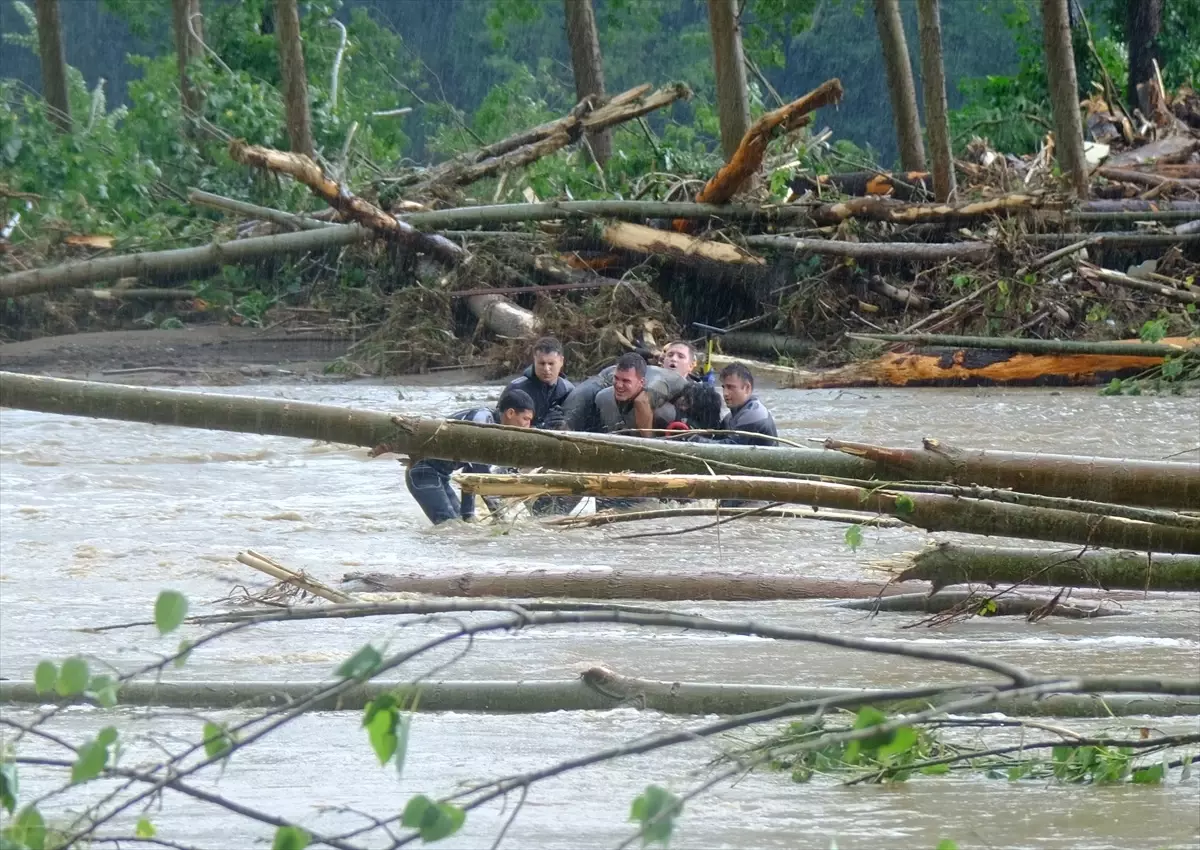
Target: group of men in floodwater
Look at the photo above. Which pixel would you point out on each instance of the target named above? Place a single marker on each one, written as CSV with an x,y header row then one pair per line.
x,y
629,397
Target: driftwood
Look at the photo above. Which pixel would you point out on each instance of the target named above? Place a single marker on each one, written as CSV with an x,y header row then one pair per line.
x,y
1036,346
916,252
903,186
531,145
1185,296
986,604
767,343
1174,148
901,295
1146,178
600,689
620,584
949,564
648,240
930,511
899,212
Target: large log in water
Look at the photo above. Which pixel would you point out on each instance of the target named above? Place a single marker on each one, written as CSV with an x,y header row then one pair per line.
x,y
1150,483
933,512
986,604
620,584
951,563
599,689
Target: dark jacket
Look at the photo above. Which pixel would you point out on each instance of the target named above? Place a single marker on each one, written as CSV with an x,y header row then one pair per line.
x,y
482,415
752,416
547,399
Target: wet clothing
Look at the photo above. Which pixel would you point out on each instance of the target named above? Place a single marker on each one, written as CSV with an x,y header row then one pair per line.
x,y
618,415
752,416
429,480
547,398
580,410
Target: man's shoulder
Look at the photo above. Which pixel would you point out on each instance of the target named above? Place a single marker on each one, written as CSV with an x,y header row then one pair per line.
x,y
564,385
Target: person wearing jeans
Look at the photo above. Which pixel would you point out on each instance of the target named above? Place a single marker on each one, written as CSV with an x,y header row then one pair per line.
x,y
428,480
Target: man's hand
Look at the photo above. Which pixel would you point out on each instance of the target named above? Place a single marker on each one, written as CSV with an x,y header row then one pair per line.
x,y
643,414
677,426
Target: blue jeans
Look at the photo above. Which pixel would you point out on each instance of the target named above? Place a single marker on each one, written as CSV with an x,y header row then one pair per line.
x,y
432,491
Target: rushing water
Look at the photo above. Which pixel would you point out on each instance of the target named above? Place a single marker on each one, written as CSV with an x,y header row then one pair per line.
x,y
97,516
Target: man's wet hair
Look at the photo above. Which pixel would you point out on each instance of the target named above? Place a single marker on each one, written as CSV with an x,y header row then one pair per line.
x,y
739,371
692,355
517,400
703,402
632,361
548,345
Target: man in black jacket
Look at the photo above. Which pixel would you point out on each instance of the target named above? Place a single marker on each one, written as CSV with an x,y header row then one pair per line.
x,y
544,383
428,480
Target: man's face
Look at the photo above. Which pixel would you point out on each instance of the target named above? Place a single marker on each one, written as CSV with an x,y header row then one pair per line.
x,y
516,418
678,358
547,366
736,391
627,384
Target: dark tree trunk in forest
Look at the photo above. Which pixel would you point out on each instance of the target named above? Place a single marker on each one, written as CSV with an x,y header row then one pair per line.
x,y
901,90
186,17
295,80
729,64
933,79
54,64
588,65
1143,22
1064,94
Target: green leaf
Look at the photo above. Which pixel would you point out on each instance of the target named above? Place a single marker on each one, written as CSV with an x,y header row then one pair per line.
x,y
182,653
947,844
93,758
381,731
217,740
8,786
169,610
104,689
72,678
290,838
936,769
854,537
905,504
434,821
45,675
144,829
656,809
1151,775
361,665
402,726
28,829
903,740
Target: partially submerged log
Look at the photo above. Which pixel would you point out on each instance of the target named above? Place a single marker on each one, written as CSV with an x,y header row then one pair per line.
x,y
930,511
767,343
903,186
952,563
600,689
913,252
1122,348
621,584
987,605
648,240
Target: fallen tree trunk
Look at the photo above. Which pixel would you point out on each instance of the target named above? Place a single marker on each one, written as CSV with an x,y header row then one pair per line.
x,y
903,186
530,145
766,343
135,294
1123,481
1113,239
952,563
620,584
995,606
611,517
885,209
1037,346
1183,296
903,296
1134,209
252,211
916,252
748,157
502,317
600,689
932,512
177,260
648,240
462,441
1130,175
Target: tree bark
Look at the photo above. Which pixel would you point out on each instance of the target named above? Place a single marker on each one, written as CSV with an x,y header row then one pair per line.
x,y
903,186
915,252
588,65
729,66
151,263
1064,94
502,317
757,342
1184,296
1036,346
885,209
295,78
932,512
188,49
901,89
620,584
952,563
599,689
933,80
54,64
1143,22
1001,606
648,240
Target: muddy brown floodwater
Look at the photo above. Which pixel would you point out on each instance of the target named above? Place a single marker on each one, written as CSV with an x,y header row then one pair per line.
x,y
97,516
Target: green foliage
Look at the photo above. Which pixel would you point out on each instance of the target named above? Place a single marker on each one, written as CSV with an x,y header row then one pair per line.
x,y
854,537
218,740
387,729
1153,330
144,829
1177,42
28,830
9,786
290,838
72,677
361,665
433,821
93,756
655,811
905,504
45,676
170,609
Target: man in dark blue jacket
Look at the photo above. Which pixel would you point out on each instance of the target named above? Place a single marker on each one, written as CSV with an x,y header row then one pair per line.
x,y
428,480
746,413
544,383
